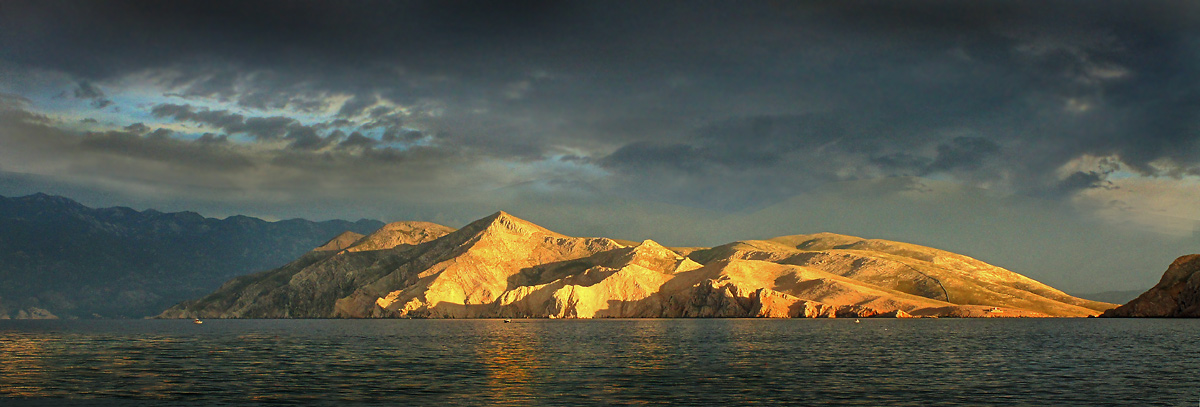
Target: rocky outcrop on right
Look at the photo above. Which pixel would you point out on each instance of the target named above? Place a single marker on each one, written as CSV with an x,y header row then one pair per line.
x,y
1177,295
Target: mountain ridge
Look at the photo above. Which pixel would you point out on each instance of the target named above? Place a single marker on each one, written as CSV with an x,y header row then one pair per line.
x,y
60,258
505,266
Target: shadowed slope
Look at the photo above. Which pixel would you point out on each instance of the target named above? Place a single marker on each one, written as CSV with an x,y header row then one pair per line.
x,y
1177,295
59,257
309,286
340,242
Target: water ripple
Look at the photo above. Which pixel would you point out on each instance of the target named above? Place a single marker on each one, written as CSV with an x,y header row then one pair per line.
x,y
604,362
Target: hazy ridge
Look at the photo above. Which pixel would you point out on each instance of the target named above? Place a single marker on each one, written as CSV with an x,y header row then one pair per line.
x,y
59,258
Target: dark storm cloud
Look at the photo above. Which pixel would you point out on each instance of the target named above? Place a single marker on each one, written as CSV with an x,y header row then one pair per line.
x,y
902,164
155,163
137,128
356,105
374,108
10,102
262,128
86,90
223,119
760,100
266,127
1081,180
160,147
210,138
356,139
644,155
1169,127
392,135
306,138
963,153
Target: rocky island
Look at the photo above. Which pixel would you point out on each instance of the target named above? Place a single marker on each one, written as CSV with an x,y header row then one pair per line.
x,y
502,266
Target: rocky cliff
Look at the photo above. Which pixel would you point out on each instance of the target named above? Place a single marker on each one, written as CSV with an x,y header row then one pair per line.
x,y
1177,295
503,266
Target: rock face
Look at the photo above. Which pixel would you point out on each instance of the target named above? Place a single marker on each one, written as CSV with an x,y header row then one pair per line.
x,y
503,266
1177,295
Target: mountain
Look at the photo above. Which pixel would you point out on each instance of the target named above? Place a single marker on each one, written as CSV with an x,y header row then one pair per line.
x,y
1116,297
504,266
59,258
1177,295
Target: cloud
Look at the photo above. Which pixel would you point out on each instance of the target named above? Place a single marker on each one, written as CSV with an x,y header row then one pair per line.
x,y
222,119
1081,180
357,139
963,153
147,163
356,105
725,108
265,128
11,102
159,147
138,128
262,128
210,138
306,138
1163,205
86,90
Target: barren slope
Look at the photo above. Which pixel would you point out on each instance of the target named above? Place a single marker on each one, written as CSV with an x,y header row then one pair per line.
x,y
309,286
462,274
503,266
911,269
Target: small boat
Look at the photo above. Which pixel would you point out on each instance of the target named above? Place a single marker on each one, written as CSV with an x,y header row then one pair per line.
x,y
197,321
507,321
857,321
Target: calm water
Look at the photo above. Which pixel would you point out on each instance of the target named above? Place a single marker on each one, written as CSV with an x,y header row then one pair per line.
x,y
603,362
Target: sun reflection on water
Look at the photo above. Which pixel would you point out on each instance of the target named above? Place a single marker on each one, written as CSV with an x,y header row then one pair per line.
x,y
22,370
510,354
599,362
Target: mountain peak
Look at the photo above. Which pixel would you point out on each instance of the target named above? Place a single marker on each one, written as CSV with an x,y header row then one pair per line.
x,y
650,246
43,198
340,242
651,255
400,233
817,241
503,221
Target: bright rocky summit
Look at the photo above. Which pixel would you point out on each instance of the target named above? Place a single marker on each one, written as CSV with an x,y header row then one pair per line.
x,y
502,266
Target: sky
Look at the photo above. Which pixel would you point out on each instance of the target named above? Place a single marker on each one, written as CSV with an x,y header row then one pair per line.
x,y
1058,141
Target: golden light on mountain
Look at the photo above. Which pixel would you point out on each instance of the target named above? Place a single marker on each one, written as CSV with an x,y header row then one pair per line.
x,y
503,266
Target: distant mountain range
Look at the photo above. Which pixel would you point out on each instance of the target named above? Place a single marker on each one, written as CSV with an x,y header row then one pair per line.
x,y
1115,297
59,258
503,266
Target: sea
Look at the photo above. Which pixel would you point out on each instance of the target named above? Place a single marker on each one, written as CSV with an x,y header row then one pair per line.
x,y
533,362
